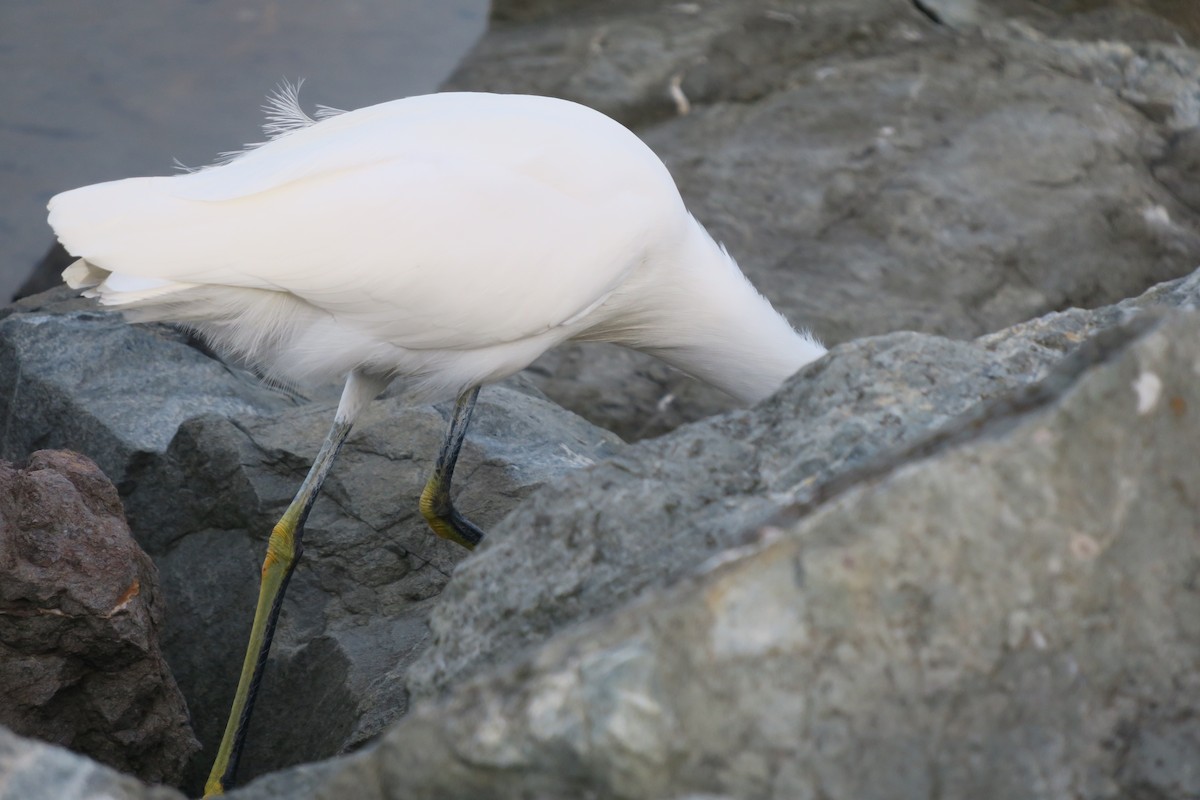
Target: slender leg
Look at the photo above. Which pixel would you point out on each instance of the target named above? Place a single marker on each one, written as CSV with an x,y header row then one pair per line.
x,y
283,551
436,506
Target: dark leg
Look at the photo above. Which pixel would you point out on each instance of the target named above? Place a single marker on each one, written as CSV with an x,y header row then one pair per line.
x,y
436,507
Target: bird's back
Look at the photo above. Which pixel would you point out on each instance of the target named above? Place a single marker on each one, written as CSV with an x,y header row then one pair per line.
x,y
445,221
450,239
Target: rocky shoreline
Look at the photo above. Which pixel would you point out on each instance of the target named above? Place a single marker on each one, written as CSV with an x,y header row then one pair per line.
x,y
954,557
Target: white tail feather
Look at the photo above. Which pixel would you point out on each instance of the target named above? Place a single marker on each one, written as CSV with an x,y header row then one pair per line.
x,y
82,275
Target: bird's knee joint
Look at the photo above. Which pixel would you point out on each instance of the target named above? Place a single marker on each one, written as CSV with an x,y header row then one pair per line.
x,y
281,547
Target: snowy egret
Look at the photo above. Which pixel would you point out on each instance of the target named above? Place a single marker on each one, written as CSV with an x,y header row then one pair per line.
x,y
446,240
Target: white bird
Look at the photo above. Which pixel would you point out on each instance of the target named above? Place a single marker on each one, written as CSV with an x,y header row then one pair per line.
x,y
446,240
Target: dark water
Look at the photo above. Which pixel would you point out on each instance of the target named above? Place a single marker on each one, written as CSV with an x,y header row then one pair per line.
x,y
93,90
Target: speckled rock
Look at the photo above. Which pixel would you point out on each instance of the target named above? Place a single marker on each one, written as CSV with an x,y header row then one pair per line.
x,y
1007,611
873,167
31,770
872,170
659,508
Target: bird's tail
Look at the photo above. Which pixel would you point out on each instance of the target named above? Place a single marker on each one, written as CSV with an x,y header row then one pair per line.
x,y
119,231
82,275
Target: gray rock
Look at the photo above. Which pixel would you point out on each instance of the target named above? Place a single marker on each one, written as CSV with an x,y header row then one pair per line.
x,y
78,378
606,384
959,200
1170,20
956,14
208,458
618,57
1038,345
80,617
599,536
356,609
32,770
659,508
873,171
1130,22
1007,612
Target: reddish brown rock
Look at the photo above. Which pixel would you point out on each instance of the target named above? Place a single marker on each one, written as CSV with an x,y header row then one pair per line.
x,y
80,663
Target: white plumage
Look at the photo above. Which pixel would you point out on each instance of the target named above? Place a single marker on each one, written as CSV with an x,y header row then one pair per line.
x,y
448,239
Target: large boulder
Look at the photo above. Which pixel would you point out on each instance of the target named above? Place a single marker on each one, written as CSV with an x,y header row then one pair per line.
x,y
84,379
32,770
357,606
81,613
948,166
658,509
1005,608
872,170
596,538
207,458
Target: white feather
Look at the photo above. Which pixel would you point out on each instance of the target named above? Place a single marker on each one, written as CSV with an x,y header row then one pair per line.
x,y
448,238
283,111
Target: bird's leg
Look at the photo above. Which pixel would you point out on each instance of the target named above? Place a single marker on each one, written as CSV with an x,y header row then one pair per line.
x,y
436,506
283,551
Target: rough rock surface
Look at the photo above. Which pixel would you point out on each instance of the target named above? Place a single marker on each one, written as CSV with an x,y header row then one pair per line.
x,y
952,166
655,511
100,364
31,770
872,170
208,458
600,536
80,618
356,608
1037,345
1009,612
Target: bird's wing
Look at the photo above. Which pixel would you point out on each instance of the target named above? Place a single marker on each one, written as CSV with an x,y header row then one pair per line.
x,y
448,239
